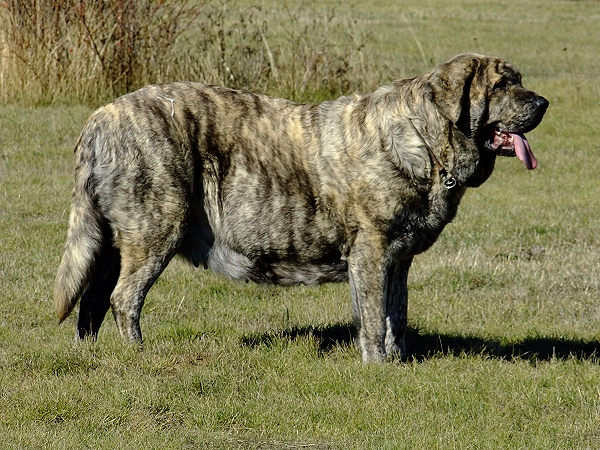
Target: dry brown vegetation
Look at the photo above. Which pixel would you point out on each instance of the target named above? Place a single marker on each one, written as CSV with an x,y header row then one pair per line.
x,y
69,51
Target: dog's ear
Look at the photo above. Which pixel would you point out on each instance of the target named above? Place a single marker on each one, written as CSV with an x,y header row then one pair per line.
x,y
449,87
408,151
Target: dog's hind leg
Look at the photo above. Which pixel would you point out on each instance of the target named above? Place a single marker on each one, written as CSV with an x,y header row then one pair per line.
x,y
95,301
141,264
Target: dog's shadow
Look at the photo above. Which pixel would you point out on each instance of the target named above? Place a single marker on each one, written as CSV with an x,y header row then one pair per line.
x,y
423,345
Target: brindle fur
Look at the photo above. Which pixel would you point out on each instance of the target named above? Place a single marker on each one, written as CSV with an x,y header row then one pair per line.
x,y
272,191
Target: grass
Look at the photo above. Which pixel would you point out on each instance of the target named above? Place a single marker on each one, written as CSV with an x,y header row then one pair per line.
x,y
503,310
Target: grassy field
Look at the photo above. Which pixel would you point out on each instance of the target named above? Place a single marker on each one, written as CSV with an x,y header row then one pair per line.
x,y
503,313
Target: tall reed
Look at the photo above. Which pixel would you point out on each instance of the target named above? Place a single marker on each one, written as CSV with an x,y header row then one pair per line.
x,y
68,51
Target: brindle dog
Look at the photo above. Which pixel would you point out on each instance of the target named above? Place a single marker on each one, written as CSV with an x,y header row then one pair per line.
x,y
272,191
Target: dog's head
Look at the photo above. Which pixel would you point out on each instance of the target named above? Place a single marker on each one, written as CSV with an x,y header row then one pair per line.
x,y
484,98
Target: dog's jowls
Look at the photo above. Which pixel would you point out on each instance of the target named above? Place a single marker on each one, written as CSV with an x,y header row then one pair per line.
x,y
272,191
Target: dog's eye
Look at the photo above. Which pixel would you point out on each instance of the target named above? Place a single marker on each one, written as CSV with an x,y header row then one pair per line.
x,y
501,84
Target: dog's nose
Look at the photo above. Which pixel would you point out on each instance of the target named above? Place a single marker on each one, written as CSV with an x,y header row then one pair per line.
x,y
542,103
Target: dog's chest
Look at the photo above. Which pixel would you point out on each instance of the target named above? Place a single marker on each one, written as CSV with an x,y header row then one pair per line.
x,y
415,228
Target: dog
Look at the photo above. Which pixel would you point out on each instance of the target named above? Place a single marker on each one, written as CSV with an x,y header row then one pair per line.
x,y
271,191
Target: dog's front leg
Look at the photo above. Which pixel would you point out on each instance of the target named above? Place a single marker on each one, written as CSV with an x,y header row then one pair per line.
x,y
367,273
396,306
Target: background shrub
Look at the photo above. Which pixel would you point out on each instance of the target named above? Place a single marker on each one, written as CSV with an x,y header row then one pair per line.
x,y
70,51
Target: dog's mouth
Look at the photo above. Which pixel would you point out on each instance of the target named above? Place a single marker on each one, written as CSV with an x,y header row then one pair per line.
x,y
505,143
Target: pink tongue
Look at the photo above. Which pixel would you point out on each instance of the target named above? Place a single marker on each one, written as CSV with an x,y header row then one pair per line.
x,y
523,151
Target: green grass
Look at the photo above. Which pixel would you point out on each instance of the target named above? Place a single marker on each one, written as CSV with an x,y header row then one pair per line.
x,y
503,313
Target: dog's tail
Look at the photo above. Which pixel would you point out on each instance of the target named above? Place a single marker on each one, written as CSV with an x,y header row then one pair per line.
x,y
84,237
